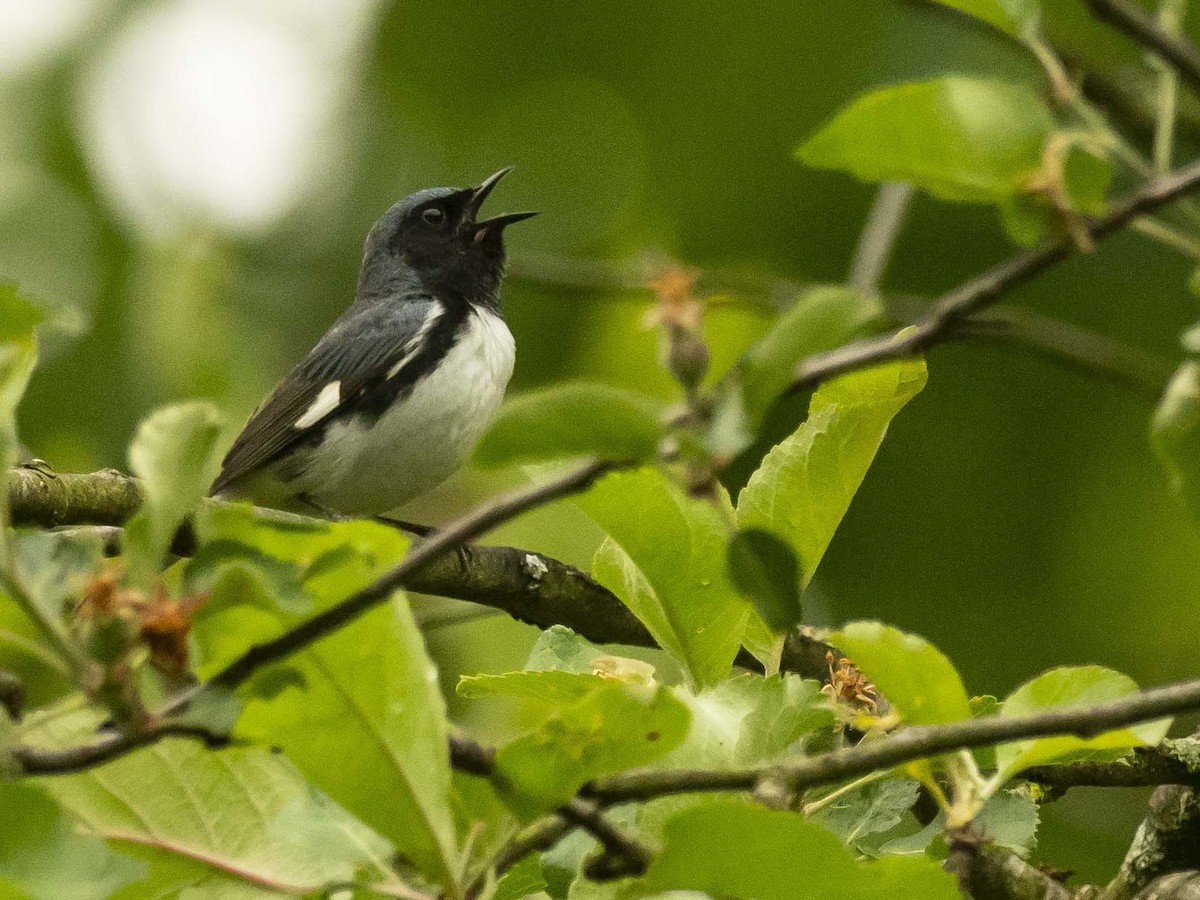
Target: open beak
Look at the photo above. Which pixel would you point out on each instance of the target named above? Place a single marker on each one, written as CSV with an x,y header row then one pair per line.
x,y
476,200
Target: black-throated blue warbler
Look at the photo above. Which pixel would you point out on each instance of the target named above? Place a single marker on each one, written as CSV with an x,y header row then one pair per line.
x,y
394,396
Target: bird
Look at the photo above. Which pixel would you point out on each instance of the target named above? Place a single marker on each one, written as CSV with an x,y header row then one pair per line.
x,y
392,399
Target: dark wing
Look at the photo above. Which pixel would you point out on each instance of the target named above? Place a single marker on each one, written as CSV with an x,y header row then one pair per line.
x,y
364,347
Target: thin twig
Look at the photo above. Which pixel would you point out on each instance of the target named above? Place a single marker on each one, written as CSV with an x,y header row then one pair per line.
x,y
623,855
42,761
917,742
1089,352
538,836
1145,767
1140,26
984,290
879,235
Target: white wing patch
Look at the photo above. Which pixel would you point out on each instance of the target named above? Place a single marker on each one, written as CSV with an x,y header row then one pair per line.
x,y
413,345
327,401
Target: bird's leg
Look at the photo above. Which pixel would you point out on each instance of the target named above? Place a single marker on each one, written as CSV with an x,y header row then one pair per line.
x,y
322,510
424,531
411,527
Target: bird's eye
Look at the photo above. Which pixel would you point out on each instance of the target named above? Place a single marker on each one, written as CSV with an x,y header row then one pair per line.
x,y
433,216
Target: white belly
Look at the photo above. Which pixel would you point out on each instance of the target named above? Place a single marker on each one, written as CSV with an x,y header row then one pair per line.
x,y
424,437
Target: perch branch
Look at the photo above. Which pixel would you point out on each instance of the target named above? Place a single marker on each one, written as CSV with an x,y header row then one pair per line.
x,y
528,586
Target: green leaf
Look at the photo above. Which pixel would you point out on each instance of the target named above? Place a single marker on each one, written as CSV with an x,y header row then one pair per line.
x,y
805,484
749,720
558,648
665,560
919,682
575,419
766,571
1067,687
44,856
231,573
175,453
1015,17
960,138
616,726
236,819
820,319
733,849
874,808
523,880
1010,820
1175,433
371,687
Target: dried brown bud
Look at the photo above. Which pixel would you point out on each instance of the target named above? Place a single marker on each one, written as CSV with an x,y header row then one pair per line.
x,y
164,627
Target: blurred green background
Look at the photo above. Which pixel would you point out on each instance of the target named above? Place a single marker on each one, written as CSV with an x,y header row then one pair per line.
x,y
195,178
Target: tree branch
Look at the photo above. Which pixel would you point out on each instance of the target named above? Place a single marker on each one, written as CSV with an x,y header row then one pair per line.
x,y
906,745
1167,841
528,586
1176,886
1140,26
1171,762
988,872
42,761
1065,343
623,855
947,314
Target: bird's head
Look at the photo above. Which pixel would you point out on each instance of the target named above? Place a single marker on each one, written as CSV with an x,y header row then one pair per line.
x,y
436,235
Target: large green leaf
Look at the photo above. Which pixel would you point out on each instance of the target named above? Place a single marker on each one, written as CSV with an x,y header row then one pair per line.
x,y
1175,432
616,726
665,559
369,686
240,820
370,691
44,856
574,419
729,848
1016,17
176,454
805,484
820,319
960,138
1072,686
918,681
